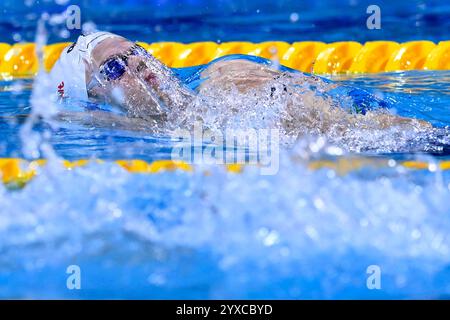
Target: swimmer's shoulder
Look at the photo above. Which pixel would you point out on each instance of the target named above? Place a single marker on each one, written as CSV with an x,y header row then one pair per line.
x,y
236,64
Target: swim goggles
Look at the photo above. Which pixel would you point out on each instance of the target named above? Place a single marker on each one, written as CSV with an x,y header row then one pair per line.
x,y
115,66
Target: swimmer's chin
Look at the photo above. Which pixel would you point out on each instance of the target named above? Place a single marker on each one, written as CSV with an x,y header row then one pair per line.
x,y
144,108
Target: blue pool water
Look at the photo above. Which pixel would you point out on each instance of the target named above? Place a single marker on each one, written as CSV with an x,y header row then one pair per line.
x,y
240,20
298,234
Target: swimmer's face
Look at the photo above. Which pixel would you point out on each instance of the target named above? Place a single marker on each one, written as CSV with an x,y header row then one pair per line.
x,y
121,69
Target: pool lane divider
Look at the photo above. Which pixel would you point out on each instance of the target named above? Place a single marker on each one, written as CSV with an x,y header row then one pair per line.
x,y
19,60
16,172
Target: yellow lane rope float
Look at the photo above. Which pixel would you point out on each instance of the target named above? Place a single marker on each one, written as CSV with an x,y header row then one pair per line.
x,y
20,61
17,172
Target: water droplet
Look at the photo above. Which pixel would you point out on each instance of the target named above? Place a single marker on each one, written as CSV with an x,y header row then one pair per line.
x,y
294,17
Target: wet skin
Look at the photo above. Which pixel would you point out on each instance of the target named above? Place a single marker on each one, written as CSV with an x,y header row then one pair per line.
x,y
142,91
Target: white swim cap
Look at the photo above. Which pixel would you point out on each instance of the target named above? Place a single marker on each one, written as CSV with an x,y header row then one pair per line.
x,y
68,75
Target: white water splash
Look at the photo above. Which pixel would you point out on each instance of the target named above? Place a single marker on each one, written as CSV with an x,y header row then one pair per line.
x,y
300,110
298,234
43,106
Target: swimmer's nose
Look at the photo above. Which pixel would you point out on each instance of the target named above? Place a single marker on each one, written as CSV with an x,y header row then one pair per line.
x,y
141,70
141,66
136,64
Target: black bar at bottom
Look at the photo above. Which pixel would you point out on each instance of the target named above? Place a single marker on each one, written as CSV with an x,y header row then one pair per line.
x,y
225,309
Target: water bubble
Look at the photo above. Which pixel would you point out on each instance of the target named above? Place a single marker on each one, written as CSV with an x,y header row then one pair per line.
x,y
416,234
294,17
64,33
312,232
319,203
331,174
89,27
158,28
157,279
270,238
392,163
57,19
17,37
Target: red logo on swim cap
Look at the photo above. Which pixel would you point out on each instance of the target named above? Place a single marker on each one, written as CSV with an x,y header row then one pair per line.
x,y
61,89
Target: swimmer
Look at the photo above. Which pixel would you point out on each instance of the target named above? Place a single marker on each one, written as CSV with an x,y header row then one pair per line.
x,y
106,68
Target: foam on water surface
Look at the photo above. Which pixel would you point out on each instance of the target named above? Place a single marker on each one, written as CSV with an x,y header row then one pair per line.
x,y
297,234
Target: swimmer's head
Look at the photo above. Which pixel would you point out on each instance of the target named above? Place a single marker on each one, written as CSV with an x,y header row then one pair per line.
x,y
106,67
127,75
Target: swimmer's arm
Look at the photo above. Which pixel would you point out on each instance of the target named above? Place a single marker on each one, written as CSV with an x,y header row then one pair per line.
x,y
387,120
107,120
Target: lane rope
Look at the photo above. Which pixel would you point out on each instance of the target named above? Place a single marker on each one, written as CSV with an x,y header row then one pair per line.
x,y
19,60
17,172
